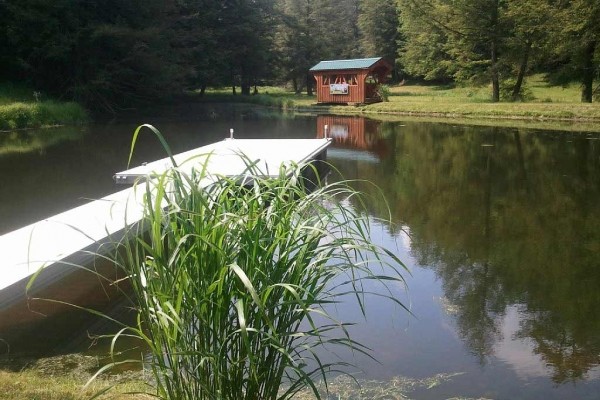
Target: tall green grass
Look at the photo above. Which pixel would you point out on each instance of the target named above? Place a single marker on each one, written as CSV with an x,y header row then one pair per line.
x,y
232,281
40,114
21,107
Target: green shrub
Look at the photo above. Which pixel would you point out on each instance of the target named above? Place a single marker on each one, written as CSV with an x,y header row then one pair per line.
x,y
383,91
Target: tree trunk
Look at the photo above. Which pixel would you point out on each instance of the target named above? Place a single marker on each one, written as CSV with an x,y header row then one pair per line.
x,y
522,70
521,156
233,90
495,78
202,90
295,85
587,91
245,83
309,91
494,56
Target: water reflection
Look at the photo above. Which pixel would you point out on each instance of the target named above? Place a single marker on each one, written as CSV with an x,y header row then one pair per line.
x,y
36,140
356,133
508,222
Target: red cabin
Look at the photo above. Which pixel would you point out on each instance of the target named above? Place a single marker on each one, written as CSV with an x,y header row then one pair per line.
x,y
350,81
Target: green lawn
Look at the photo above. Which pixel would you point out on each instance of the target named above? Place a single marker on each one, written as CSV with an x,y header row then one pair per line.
x,y
548,103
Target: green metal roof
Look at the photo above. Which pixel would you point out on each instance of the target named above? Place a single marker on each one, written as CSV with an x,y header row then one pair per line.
x,y
359,63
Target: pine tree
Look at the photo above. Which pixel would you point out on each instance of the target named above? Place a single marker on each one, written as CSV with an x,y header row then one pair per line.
x,y
578,42
378,23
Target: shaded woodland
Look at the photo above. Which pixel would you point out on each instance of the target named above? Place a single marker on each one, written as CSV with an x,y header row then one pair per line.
x,y
112,55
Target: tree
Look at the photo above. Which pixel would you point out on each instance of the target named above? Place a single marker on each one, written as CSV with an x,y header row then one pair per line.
x,y
312,30
474,31
108,54
473,40
531,29
247,39
199,36
295,42
422,52
378,24
578,42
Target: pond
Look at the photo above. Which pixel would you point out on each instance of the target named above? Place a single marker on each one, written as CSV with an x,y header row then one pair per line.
x,y
499,227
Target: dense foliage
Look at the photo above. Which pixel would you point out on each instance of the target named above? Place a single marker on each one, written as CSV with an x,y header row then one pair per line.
x,y
499,41
114,54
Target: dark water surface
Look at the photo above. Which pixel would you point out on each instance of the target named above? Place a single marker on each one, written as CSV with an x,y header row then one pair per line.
x,y
500,229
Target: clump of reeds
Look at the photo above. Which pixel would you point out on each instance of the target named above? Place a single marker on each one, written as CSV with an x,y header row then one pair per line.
x,y
232,280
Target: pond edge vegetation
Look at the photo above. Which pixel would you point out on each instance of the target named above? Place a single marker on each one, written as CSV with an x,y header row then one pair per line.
x,y
467,104
442,103
43,114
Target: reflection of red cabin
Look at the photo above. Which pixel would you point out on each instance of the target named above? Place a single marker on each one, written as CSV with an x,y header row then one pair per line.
x,y
357,133
350,81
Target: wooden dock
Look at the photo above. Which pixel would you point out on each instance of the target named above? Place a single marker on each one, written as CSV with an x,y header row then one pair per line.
x,y
57,245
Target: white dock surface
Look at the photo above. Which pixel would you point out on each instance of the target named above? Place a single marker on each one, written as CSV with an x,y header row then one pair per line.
x,y
223,158
63,238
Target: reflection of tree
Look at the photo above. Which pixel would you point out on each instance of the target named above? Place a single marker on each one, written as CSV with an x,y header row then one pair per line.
x,y
568,350
479,299
504,218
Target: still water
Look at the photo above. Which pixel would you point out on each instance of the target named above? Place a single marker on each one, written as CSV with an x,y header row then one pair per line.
x,y
500,229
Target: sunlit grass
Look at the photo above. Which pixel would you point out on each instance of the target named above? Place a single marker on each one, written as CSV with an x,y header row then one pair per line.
x,y
47,379
21,107
64,378
547,103
30,385
541,90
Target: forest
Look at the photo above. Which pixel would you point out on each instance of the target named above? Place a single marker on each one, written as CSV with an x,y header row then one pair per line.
x,y
114,54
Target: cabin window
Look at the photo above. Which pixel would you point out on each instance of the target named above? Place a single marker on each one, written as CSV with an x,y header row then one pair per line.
x,y
347,79
326,80
351,80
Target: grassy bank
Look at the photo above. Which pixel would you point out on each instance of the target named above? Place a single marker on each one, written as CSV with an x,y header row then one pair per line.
x,y
32,385
546,103
550,103
64,378
35,385
22,108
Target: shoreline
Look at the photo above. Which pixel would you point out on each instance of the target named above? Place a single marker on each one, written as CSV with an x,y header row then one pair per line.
x,y
537,120
517,122
450,115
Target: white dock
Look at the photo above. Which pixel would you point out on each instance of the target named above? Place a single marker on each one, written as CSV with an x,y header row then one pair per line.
x,y
223,158
57,242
